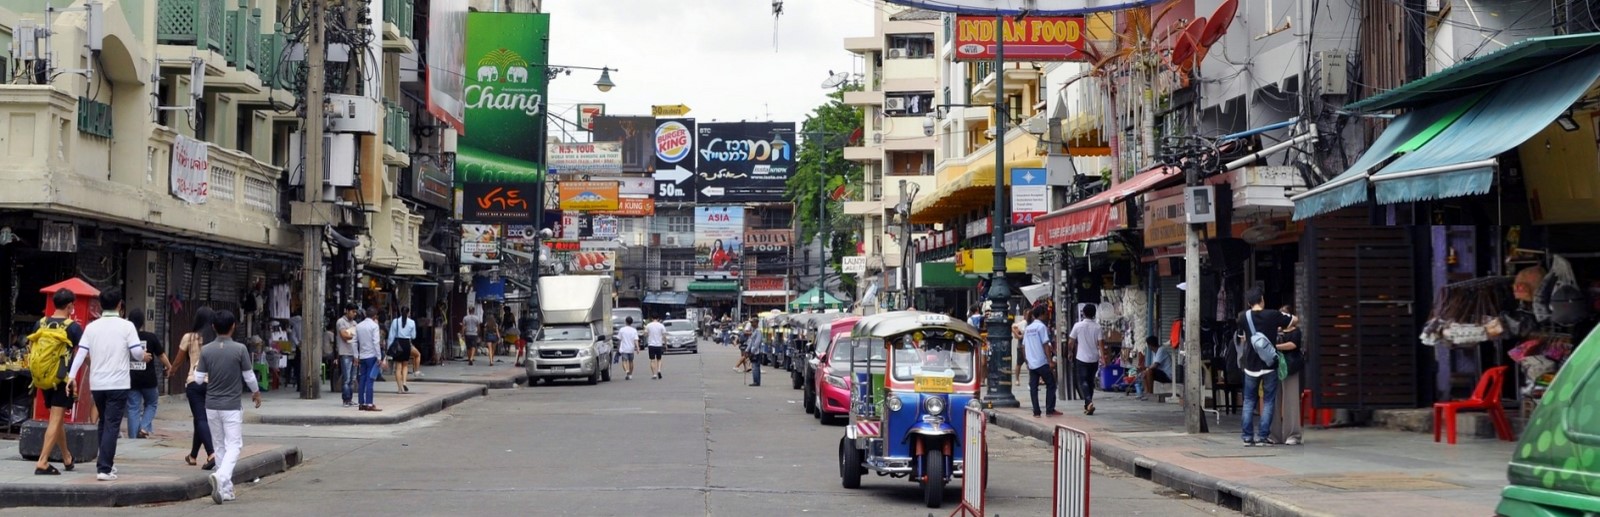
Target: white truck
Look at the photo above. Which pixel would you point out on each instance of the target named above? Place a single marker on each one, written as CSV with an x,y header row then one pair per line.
x,y
574,340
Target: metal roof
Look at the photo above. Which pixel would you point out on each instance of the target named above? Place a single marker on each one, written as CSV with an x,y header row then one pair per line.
x,y
1518,60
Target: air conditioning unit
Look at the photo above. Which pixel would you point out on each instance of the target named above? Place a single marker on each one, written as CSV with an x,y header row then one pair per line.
x,y
666,284
894,104
670,240
352,114
897,53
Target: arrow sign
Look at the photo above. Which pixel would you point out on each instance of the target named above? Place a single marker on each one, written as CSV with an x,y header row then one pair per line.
x,y
712,191
676,174
669,110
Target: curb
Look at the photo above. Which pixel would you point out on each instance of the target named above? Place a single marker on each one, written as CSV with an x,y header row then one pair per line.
x,y
194,486
1239,498
385,418
500,383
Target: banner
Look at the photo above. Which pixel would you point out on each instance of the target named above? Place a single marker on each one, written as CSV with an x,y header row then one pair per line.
x,y
636,135
768,241
585,158
718,241
1030,195
587,113
480,244
743,162
765,283
430,184
632,207
587,196
189,170
446,70
505,93
498,202
1035,38
626,185
604,226
583,261
675,159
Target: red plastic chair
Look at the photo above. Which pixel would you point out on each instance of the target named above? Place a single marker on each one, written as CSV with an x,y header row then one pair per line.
x,y
1310,414
1486,397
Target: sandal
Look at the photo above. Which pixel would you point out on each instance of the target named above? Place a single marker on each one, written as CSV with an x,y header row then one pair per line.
x,y
189,459
68,465
47,471
211,463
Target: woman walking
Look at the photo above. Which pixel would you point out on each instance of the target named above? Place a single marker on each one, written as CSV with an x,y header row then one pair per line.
x,y
189,349
144,382
491,336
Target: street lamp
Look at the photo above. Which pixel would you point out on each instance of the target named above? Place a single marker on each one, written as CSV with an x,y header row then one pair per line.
x,y
551,73
604,84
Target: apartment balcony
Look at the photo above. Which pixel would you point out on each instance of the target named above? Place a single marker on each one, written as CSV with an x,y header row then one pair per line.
x,y
864,153
860,208
911,74
396,135
907,134
394,240
1017,80
398,15
891,187
51,165
864,98
863,44
229,41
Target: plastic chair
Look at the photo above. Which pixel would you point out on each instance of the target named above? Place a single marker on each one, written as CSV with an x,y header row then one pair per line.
x,y
1486,397
1309,414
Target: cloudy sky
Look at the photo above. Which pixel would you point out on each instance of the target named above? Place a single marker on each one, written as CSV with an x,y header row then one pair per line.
x,y
725,59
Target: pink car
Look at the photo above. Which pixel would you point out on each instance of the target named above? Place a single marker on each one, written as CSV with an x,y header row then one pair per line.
x,y
832,390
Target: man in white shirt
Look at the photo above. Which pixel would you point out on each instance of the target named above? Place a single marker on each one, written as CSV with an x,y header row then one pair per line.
x,y
1041,363
1088,340
627,345
111,344
370,353
656,339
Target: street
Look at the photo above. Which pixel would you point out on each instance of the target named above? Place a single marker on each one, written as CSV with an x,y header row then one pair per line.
x,y
698,442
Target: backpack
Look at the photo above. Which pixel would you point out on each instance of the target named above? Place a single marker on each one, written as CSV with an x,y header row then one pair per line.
x,y
47,354
1264,348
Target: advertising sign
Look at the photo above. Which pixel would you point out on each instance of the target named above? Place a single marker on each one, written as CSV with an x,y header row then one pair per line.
x,y
446,70
764,283
1035,38
587,113
636,134
480,244
583,261
744,161
675,159
505,92
718,241
604,226
585,157
853,265
991,8
1164,219
498,202
768,241
189,168
1030,195
587,196
430,183
629,206
626,185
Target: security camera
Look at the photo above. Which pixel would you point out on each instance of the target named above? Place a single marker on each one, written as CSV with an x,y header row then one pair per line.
x,y
927,126
545,232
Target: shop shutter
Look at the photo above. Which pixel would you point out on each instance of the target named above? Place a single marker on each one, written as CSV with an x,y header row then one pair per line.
x,y
1169,304
1361,323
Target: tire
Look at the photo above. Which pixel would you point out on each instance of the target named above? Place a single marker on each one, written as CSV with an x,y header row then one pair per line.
x,y
605,375
594,378
810,402
533,381
933,468
796,380
694,350
849,464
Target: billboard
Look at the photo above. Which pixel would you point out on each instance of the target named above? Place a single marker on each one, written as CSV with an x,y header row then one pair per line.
x,y
626,185
505,93
446,70
582,261
587,113
498,202
768,241
991,8
1035,38
480,244
743,162
430,183
632,206
718,241
584,157
637,137
587,196
675,158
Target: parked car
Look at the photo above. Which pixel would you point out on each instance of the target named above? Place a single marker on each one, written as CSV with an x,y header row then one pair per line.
x,y
834,331
833,376
682,335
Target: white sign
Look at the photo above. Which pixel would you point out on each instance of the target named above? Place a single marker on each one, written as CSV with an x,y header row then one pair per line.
x,y
189,170
585,157
629,185
1018,242
855,265
1033,7
979,227
605,226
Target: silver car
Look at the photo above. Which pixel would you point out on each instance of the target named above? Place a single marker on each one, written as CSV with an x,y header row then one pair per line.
x,y
682,335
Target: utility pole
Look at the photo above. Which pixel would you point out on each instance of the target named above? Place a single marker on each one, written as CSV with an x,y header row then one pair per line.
x,y
822,237
312,292
999,394
1194,420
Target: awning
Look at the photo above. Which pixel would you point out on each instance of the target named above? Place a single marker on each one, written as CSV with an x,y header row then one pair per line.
x,y
433,256
1036,291
767,292
972,189
1509,65
1350,187
1091,218
942,275
667,298
981,261
714,286
815,298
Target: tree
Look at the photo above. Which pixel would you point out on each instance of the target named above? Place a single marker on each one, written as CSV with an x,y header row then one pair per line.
x,y
821,171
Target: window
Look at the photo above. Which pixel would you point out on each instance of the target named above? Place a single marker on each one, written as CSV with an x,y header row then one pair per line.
x,y
1014,108
680,224
908,104
911,46
677,261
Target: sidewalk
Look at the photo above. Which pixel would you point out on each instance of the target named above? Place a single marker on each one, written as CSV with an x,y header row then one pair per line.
x,y
1351,471
148,471
504,375
285,407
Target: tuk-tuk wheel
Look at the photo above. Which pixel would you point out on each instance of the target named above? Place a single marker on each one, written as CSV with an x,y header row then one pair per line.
x,y
849,464
933,487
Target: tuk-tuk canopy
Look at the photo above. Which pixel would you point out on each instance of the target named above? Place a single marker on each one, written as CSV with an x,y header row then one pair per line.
x,y
889,324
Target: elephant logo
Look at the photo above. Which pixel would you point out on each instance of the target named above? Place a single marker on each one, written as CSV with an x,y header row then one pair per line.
x,y
517,74
516,68
488,74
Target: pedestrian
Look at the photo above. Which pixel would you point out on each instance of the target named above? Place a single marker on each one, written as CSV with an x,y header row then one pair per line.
x,y
1018,325
347,353
1041,362
757,347
144,381
471,325
510,332
741,336
189,350
48,335
370,355
402,332
111,344
491,337
225,369
1088,342
976,318
1286,416
1260,377
627,345
1157,359
656,341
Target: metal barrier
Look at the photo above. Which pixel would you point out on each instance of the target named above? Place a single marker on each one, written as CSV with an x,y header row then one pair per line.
x,y
975,456
1071,491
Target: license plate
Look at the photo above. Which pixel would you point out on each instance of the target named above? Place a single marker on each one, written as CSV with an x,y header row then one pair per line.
x,y
935,384
559,369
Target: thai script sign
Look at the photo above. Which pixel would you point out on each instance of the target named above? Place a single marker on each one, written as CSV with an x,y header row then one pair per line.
x,y
744,161
189,168
499,202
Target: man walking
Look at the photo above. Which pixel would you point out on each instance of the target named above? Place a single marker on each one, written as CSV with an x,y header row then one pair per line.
x,y
1041,362
347,353
370,356
656,339
111,344
224,367
470,326
1088,342
627,345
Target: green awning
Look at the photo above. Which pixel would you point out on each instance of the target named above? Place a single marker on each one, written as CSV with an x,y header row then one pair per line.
x,y
1407,131
815,298
943,275
1507,65
714,286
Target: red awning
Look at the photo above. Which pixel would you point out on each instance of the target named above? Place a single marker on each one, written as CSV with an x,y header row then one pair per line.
x,y
1091,218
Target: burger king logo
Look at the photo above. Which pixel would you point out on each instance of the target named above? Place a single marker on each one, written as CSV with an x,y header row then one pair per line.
x,y
672,141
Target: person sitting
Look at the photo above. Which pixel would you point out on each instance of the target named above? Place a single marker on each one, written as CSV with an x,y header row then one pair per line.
x,y
1155,368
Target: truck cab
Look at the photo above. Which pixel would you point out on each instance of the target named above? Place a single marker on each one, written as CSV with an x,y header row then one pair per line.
x,y
574,339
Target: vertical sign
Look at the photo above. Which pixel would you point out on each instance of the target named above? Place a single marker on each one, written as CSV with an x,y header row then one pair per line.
x,y
446,61
1030,195
505,95
675,160
718,241
587,113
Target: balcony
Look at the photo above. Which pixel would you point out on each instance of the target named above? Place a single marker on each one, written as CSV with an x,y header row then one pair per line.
x,y
396,135
872,98
394,240
1017,80
872,152
864,44
911,74
229,41
907,134
398,15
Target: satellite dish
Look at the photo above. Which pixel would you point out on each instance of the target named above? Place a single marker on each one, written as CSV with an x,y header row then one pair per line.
x,y
1188,44
1219,23
835,80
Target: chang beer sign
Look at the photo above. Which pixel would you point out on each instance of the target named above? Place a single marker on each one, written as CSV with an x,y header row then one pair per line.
x,y
506,57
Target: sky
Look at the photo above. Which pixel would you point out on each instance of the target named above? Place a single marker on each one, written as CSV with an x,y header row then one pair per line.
x,y
725,59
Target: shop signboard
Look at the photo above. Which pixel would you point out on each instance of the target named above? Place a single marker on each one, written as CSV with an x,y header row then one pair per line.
x,y
603,226
636,134
626,185
589,196
1016,8
675,159
582,261
498,202
632,206
587,113
480,244
446,58
718,241
1035,38
430,183
1164,219
764,283
979,227
742,162
1018,242
768,241
506,55
1030,195
585,157
853,265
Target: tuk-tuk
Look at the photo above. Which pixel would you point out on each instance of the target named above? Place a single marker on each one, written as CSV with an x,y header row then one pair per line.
x,y
771,329
1555,469
801,357
913,374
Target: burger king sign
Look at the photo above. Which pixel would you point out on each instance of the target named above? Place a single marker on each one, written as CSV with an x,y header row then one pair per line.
x,y
674,142
675,157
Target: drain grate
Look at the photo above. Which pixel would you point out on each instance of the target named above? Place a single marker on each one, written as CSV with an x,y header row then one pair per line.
x,y
1376,482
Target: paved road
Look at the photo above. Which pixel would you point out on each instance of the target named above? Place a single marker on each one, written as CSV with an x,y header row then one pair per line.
x,y
699,442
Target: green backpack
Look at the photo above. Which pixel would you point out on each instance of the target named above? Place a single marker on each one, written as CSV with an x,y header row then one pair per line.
x,y
47,354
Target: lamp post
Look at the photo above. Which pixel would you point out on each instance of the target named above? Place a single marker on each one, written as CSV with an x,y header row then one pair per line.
x,y
551,72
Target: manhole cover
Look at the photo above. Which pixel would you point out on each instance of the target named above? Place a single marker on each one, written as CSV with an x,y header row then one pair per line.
x,y
1376,482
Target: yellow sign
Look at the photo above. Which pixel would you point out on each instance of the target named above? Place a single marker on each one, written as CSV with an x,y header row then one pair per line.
x,y
669,110
935,384
1163,222
980,261
589,196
